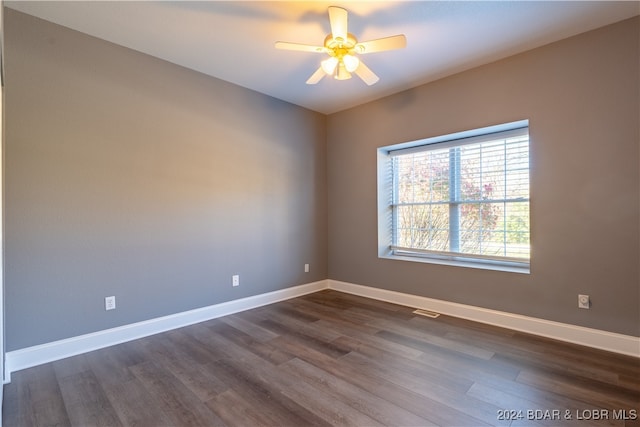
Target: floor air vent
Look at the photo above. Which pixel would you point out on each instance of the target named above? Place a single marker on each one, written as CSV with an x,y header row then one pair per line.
x,y
427,313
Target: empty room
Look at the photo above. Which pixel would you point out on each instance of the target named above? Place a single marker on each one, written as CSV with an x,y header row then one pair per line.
x,y
388,213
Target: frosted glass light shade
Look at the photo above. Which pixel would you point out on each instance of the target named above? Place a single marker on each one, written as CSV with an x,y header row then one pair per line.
x,y
329,65
351,63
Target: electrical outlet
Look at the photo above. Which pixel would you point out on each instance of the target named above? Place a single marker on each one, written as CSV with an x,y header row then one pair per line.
x,y
306,268
235,280
584,301
110,303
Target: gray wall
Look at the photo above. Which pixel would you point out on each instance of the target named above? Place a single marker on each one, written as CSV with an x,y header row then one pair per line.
x,y
133,177
581,96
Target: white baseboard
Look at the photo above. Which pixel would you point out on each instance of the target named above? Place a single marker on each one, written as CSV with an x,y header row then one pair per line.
x,y
609,341
44,353
37,355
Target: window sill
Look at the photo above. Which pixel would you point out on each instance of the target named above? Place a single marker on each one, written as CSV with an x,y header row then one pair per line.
x,y
467,264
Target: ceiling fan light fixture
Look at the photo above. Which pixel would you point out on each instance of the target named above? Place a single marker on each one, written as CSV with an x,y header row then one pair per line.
x,y
351,63
343,48
329,65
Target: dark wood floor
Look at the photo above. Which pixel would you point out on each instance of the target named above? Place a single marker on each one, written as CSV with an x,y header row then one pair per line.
x,y
331,359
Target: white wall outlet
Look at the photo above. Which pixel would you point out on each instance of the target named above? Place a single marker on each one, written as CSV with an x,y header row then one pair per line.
x,y
235,280
110,303
584,301
306,268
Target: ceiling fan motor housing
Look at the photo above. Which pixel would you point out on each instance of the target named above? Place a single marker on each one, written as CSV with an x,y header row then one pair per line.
x,y
338,43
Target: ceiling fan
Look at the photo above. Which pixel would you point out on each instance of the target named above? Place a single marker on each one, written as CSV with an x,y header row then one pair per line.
x,y
342,47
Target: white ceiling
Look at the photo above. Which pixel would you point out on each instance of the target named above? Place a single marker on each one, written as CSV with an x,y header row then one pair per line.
x,y
234,40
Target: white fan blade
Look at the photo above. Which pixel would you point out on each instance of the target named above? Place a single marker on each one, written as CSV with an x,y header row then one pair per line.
x,y
379,45
366,74
301,47
316,77
338,18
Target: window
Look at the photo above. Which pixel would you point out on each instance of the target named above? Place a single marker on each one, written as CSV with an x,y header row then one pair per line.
x,y
463,198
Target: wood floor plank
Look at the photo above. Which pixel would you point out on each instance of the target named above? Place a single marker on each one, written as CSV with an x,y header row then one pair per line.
x,y
197,350
368,379
265,398
426,343
405,370
110,365
413,333
325,359
261,349
316,400
288,309
588,391
353,301
40,387
309,329
363,342
547,414
541,398
86,402
183,407
254,330
135,406
329,315
257,376
306,339
374,406
450,324
17,406
198,378
441,390
71,365
630,382
501,400
203,334
230,403
471,367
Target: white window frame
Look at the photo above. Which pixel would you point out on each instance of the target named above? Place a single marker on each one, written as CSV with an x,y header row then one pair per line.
x,y
386,203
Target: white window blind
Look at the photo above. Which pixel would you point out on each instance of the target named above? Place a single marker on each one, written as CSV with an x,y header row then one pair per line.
x,y
463,199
